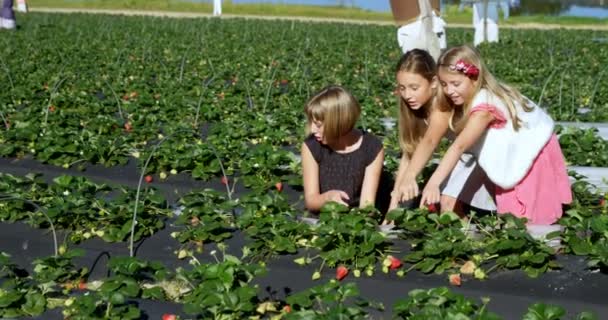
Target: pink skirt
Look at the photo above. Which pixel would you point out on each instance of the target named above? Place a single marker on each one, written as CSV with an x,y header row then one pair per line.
x,y
540,195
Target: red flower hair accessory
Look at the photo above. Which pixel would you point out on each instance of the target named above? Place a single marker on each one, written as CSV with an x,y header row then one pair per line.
x,y
468,69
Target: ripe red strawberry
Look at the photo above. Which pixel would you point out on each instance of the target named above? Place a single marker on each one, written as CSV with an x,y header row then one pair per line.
x,y
455,279
341,273
395,263
287,309
51,108
432,207
82,285
224,180
128,127
148,178
279,186
168,316
602,202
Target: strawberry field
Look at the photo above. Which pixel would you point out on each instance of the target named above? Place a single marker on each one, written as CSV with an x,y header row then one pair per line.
x,y
150,167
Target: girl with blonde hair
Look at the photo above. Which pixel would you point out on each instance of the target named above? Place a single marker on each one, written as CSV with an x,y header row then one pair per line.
x,y
339,162
423,122
511,138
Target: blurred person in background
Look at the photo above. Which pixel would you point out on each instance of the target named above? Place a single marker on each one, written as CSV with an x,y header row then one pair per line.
x,y
420,25
7,16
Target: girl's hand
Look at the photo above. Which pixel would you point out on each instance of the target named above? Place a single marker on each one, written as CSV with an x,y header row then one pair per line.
x,y
430,195
407,190
336,196
387,223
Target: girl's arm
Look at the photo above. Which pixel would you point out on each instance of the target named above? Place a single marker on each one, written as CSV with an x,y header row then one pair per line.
x,y
395,197
474,129
310,175
371,180
406,187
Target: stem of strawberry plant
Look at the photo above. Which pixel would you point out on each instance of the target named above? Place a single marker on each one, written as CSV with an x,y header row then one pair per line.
x,y
561,84
204,86
44,213
250,103
116,98
599,77
181,67
540,99
10,79
4,120
269,87
46,109
141,179
223,171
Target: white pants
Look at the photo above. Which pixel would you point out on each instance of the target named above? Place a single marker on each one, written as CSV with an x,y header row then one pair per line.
x,y
490,22
7,23
21,6
491,32
217,7
469,184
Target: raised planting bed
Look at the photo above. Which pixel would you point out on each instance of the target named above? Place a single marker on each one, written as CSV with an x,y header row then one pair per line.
x,y
598,177
602,128
511,290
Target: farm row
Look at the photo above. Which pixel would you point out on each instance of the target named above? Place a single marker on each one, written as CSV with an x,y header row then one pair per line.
x,y
103,89
210,112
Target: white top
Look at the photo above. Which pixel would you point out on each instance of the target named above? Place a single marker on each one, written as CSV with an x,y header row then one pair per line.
x,y
507,155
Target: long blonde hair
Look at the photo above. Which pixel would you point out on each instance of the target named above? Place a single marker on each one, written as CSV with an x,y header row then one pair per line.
x,y
336,108
412,125
485,80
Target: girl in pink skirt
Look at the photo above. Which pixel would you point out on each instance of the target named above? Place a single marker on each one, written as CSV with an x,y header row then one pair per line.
x,y
511,137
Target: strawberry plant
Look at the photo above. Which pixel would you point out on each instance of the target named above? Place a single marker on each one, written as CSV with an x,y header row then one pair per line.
x,y
348,237
445,249
508,241
264,164
440,244
92,212
441,303
541,311
59,271
583,147
148,275
330,300
269,221
105,305
18,294
207,217
222,290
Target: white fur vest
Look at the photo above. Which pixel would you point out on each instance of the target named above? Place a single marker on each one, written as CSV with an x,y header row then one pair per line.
x,y
507,155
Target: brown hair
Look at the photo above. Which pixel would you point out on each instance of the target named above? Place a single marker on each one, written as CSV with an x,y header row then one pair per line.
x,y
412,125
336,108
